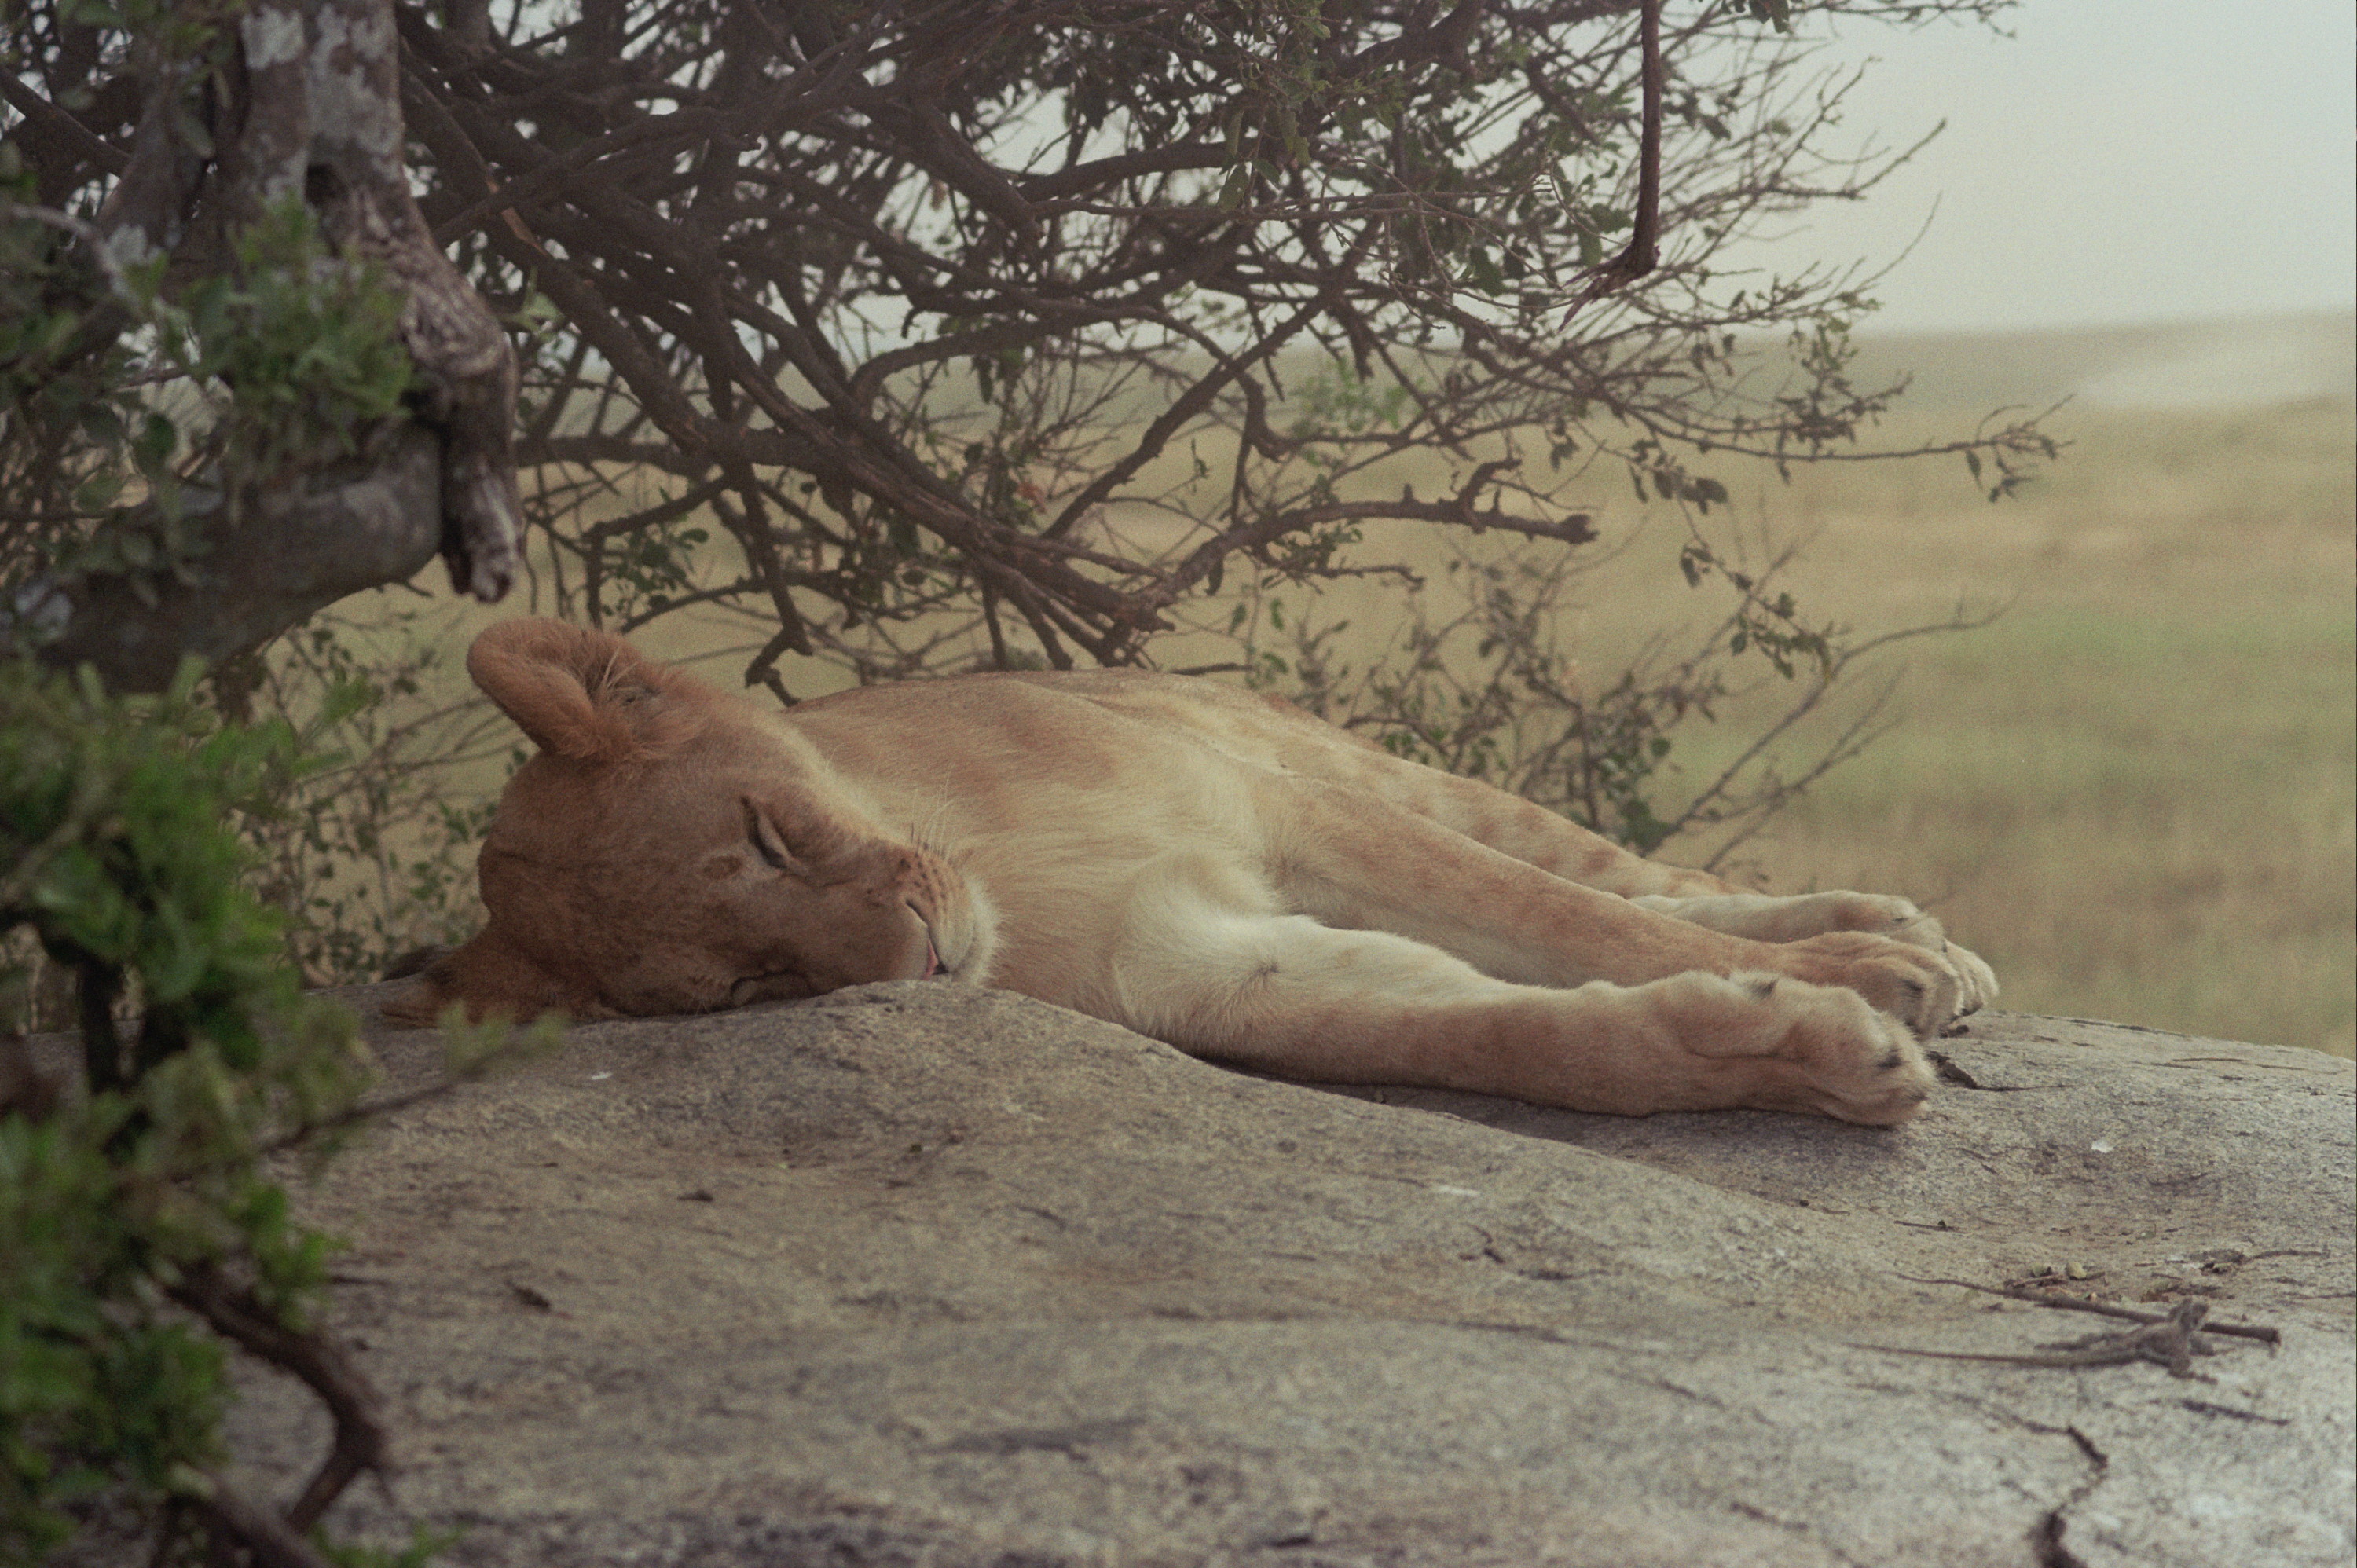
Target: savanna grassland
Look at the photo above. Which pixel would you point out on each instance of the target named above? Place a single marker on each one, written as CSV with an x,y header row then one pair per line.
x,y
2131,791
2134,789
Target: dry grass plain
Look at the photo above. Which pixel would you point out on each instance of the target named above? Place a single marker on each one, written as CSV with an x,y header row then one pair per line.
x,y
2134,791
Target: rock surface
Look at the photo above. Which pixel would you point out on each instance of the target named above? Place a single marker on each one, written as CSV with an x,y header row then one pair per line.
x,y
926,1277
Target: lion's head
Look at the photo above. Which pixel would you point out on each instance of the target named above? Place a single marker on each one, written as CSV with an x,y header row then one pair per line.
x,y
674,850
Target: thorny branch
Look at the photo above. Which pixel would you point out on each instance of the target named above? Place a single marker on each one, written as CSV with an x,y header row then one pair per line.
x,y
940,299
1644,247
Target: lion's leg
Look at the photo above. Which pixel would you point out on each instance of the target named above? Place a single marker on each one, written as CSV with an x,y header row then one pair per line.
x,y
1291,996
1503,822
1353,860
1538,837
1764,918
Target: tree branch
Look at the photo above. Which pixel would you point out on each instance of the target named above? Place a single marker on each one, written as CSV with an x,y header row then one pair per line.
x,y
314,113
351,1400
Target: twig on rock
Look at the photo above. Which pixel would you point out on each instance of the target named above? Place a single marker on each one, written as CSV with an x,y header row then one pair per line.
x,y
2172,1341
2106,1308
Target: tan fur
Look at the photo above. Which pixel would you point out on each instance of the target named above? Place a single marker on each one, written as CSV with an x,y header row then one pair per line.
x,y
1204,865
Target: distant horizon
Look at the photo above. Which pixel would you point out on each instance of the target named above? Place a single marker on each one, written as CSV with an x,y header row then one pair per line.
x,y
2251,359
1872,325
2224,361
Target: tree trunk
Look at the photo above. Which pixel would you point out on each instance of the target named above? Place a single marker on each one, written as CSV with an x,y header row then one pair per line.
x,y
309,104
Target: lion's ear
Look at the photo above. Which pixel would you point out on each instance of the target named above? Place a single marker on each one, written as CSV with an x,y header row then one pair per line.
x,y
494,978
585,695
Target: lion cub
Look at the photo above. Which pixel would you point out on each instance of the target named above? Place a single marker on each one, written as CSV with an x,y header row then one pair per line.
x,y
1215,869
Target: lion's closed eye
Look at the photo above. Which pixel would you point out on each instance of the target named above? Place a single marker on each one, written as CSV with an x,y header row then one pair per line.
x,y
766,840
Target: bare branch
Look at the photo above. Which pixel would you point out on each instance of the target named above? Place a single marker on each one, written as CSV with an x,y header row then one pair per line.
x,y
360,1441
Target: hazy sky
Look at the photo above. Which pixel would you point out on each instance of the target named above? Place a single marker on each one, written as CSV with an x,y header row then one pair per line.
x,y
2114,161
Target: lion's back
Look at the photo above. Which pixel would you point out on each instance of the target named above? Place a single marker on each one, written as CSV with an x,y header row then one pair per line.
x,y
1069,715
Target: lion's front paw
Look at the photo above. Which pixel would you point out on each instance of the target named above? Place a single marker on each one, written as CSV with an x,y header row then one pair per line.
x,y
1921,987
1792,1045
1977,980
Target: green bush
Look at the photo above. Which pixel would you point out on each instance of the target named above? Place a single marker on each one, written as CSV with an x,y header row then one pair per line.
x,y
371,854
139,1223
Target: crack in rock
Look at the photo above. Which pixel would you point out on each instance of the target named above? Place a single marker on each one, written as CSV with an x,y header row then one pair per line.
x,y
2046,1537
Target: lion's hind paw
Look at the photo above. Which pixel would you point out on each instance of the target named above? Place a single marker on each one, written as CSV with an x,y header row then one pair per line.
x,y
1919,987
1975,982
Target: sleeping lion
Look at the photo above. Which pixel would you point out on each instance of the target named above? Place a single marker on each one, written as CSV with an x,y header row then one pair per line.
x,y
1213,868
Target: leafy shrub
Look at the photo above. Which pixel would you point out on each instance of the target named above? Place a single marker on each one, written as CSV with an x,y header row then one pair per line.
x,y
370,854
1474,680
139,1225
